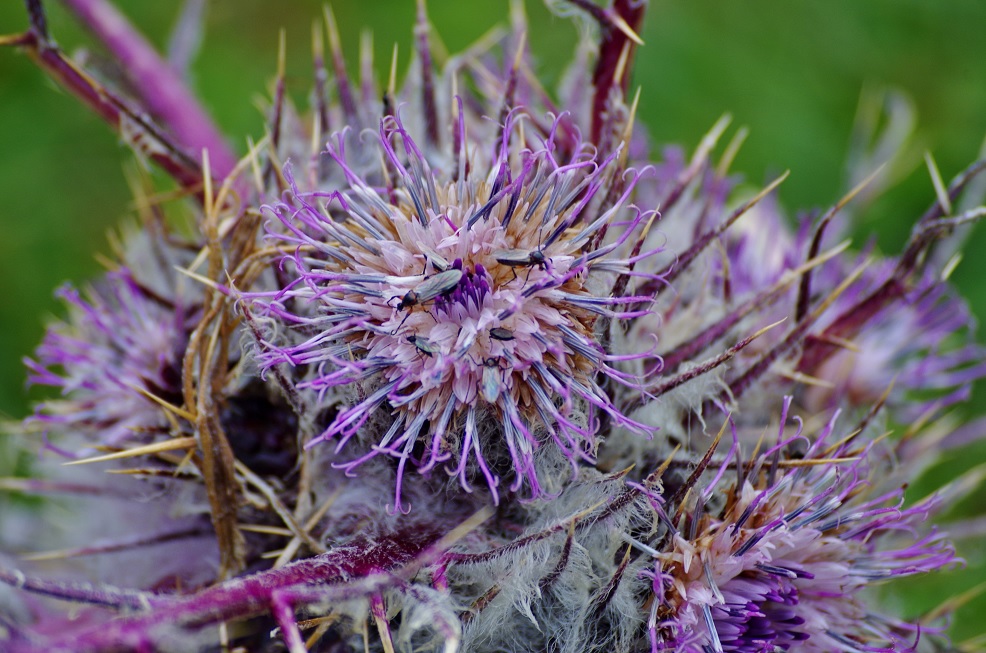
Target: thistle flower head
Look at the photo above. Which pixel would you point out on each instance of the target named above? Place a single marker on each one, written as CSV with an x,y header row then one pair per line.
x,y
461,303
466,281
922,351
852,332
785,563
120,347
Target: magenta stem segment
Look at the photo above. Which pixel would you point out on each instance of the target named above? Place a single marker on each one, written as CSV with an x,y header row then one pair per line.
x,y
323,577
158,84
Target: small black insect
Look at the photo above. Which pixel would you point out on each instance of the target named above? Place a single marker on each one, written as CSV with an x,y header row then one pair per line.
x,y
492,379
499,333
425,346
521,258
430,288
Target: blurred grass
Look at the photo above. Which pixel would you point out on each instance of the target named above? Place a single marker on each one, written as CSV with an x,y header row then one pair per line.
x,y
791,71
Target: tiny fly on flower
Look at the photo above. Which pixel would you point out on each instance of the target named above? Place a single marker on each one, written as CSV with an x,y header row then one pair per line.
x,y
499,333
521,258
492,381
430,288
425,346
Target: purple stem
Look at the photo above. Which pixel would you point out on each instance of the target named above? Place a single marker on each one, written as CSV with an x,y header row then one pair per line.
x,y
186,37
150,141
604,78
158,84
275,591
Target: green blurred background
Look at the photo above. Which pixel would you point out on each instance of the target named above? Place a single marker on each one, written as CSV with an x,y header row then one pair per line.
x,y
791,70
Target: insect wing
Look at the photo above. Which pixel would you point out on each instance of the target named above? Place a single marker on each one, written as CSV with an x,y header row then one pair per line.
x,y
513,257
437,284
436,259
423,345
491,383
499,333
